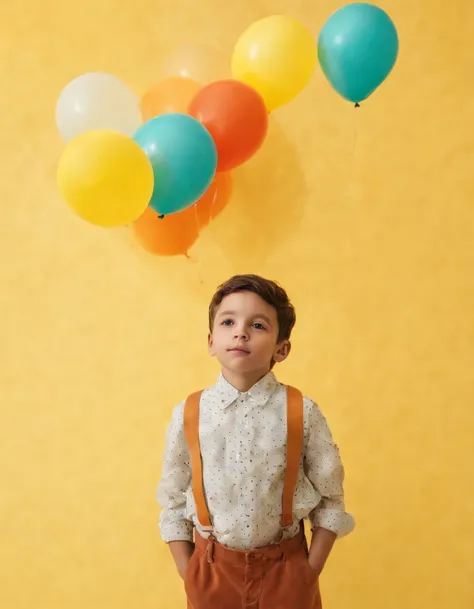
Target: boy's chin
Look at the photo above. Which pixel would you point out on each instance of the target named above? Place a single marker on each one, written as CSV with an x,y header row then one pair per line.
x,y
243,365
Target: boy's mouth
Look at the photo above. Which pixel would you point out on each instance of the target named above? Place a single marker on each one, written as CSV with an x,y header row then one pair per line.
x,y
239,350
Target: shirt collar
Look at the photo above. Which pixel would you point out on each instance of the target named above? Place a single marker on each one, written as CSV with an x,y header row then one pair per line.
x,y
259,393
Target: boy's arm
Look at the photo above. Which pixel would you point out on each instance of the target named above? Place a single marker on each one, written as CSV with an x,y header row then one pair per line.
x,y
321,546
176,529
181,552
323,467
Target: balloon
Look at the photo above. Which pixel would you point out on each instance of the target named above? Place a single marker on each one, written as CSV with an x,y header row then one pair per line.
x,y
105,177
276,56
214,200
200,63
97,101
175,234
170,95
236,117
358,47
169,236
184,160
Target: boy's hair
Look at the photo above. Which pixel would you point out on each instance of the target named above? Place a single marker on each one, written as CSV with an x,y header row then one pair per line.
x,y
268,290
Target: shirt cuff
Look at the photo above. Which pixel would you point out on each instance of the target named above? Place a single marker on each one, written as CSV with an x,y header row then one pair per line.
x,y
336,521
177,531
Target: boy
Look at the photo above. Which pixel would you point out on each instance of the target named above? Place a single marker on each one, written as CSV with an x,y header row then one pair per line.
x,y
246,462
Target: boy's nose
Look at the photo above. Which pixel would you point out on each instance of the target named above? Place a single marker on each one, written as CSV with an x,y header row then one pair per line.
x,y
240,333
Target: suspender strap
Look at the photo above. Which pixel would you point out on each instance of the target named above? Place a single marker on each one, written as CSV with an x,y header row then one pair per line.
x,y
191,431
294,448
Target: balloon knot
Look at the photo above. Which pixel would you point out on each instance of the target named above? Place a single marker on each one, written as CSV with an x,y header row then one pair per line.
x,y
357,105
161,216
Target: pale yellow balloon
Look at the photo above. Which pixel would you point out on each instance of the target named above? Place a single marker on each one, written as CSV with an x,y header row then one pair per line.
x,y
105,178
197,62
277,57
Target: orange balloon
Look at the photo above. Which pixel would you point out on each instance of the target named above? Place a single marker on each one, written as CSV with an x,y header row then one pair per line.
x,y
214,199
169,236
237,118
170,95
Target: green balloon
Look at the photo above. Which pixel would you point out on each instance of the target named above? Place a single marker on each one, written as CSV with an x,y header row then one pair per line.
x,y
357,49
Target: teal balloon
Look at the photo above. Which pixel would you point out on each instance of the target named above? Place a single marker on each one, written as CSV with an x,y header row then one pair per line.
x,y
357,49
184,160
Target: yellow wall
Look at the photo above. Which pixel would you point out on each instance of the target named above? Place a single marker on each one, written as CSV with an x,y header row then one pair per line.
x,y
367,217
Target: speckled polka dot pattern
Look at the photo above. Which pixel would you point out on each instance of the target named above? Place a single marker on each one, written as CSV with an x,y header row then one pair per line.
x,y
243,446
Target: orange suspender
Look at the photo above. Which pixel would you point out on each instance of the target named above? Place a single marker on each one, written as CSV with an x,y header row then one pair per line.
x,y
294,448
191,431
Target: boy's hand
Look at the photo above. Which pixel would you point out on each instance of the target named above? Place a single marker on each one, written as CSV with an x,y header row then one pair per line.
x,y
316,567
321,546
182,567
182,552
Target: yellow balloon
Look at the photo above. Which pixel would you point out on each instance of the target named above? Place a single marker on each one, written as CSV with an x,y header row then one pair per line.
x,y
277,57
106,178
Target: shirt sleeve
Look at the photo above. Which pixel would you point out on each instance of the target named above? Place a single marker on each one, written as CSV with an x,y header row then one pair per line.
x,y
175,481
324,469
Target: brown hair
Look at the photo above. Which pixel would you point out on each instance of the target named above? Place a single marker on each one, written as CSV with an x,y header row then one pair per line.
x,y
268,290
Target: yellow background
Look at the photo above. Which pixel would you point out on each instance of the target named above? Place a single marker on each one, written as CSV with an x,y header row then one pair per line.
x,y
366,217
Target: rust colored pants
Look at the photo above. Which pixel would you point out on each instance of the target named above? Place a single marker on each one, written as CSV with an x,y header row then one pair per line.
x,y
275,577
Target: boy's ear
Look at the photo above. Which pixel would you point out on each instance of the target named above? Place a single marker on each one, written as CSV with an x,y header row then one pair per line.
x,y
282,351
210,344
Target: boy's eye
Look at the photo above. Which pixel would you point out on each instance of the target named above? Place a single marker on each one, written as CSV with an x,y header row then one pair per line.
x,y
230,322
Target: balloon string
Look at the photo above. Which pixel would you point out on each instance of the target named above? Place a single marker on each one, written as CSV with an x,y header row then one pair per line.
x,y
211,214
196,219
198,259
353,168
356,133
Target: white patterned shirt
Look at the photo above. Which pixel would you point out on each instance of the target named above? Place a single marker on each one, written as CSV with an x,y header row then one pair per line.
x,y
243,447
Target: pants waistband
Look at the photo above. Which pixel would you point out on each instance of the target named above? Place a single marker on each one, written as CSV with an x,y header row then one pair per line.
x,y
216,551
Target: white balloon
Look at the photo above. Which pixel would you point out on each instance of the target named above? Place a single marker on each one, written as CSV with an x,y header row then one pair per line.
x,y
97,101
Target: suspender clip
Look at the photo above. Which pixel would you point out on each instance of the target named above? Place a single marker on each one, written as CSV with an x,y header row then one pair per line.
x,y
210,549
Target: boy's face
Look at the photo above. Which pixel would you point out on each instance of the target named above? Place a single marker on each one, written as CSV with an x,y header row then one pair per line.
x,y
245,334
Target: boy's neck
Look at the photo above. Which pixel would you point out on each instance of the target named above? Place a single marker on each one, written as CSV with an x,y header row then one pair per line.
x,y
244,382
